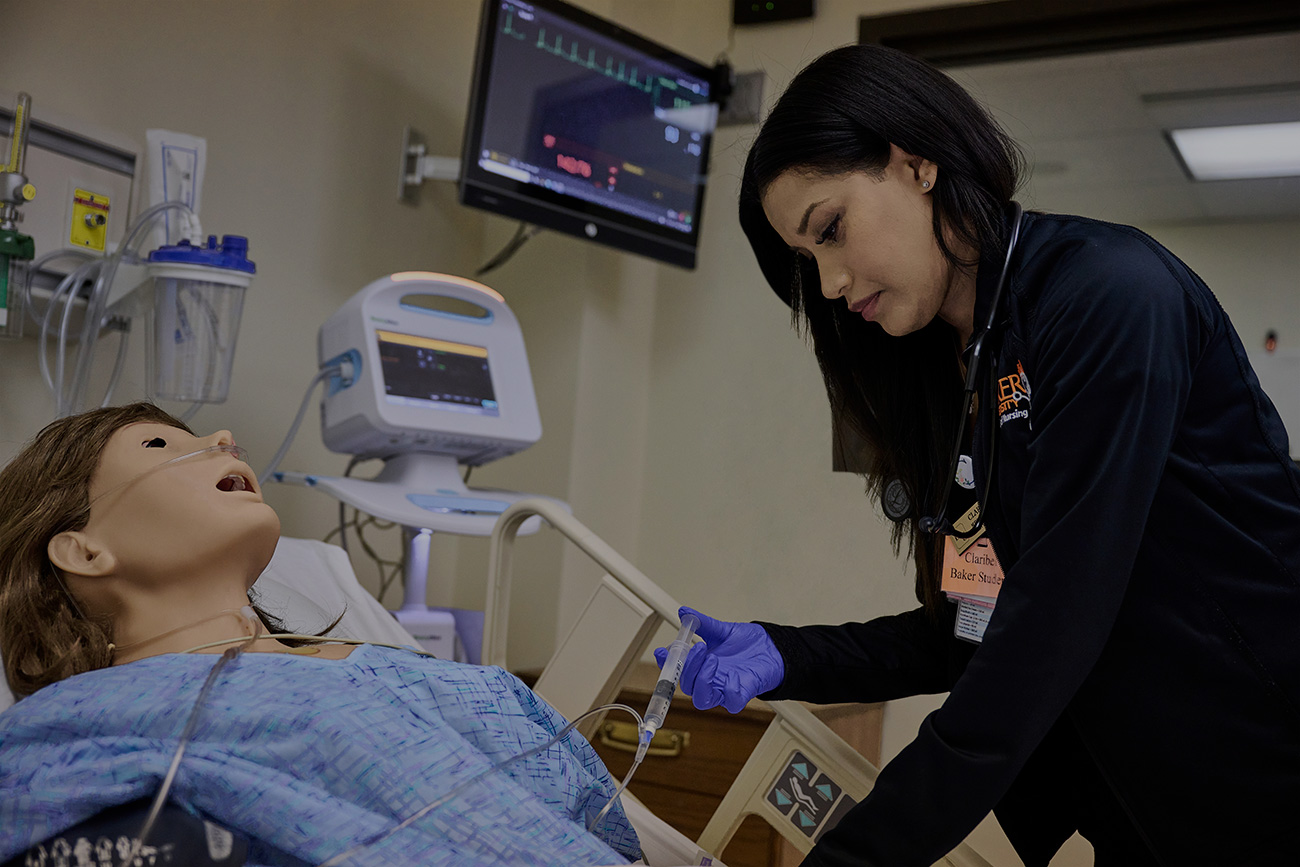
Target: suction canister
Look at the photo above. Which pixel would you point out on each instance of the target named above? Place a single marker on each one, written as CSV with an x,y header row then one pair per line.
x,y
192,317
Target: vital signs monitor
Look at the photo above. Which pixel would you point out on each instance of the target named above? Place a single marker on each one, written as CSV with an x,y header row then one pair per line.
x,y
432,363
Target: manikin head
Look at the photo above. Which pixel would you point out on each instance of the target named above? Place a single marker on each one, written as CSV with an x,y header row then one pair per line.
x,y
105,537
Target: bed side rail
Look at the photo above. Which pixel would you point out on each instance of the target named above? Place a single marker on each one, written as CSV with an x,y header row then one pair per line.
x,y
619,620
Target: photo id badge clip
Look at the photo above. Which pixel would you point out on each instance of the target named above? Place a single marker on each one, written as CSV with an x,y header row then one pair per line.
x,y
972,577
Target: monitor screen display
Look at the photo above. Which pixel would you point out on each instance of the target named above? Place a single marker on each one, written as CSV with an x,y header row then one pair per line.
x,y
436,374
580,126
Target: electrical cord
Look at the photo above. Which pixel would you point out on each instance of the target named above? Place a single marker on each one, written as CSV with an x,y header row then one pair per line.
x,y
389,570
522,234
343,529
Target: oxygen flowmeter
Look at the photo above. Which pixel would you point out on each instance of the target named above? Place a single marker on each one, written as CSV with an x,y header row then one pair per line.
x,y
16,249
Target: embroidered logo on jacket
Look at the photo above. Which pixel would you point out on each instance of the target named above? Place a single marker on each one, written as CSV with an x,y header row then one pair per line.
x,y
1013,396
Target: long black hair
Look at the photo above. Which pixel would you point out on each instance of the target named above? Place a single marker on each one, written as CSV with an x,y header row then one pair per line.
x,y
899,395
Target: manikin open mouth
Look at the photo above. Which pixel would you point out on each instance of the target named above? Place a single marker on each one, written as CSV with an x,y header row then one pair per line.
x,y
234,482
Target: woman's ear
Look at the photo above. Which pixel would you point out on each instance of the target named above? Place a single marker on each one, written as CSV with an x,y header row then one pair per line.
x,y
75,553
916,170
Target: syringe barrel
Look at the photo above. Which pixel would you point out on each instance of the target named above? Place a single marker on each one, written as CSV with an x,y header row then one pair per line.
x,y
671,673
658,709
681,645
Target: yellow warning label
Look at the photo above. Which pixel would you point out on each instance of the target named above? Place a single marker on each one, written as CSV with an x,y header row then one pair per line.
x,y
89,220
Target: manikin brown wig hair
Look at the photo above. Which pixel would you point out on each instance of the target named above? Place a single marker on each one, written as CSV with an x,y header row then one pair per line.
x,y
44,491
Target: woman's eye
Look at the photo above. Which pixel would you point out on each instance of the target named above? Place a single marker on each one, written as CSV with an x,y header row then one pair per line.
x,y
155,443
831,232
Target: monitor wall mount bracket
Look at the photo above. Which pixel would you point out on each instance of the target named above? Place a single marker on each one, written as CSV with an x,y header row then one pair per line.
x,y
417,167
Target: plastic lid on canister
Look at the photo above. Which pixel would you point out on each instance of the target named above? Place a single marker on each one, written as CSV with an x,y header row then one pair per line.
x,y
232,254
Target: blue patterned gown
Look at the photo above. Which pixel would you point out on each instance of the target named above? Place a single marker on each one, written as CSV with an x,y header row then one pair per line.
x,y
307,757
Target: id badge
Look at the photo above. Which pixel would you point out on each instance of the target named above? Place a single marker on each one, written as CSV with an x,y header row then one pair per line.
x,y
971,568
972,577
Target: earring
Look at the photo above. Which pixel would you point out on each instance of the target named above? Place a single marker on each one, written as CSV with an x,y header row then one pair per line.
x,y
925,185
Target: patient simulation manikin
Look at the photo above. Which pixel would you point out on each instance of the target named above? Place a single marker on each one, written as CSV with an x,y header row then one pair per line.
x,y
299,751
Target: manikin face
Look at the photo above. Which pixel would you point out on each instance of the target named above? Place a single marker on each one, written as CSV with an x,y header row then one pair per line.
x,y
872,239
197,516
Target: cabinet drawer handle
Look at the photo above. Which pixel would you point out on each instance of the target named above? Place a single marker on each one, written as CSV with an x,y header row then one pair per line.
x,y
623,736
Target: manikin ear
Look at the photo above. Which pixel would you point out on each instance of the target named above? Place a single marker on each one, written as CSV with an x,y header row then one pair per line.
x,y
918,170
75,553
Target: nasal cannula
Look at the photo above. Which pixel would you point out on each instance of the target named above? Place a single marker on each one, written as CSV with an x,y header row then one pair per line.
x,y
667,685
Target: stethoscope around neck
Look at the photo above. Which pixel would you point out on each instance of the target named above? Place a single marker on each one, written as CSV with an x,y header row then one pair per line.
x,y
974,354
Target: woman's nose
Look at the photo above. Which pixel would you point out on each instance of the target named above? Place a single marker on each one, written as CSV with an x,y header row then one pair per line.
x,y
834,282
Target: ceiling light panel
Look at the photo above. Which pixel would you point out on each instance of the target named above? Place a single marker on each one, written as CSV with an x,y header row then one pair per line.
x,y
1261,150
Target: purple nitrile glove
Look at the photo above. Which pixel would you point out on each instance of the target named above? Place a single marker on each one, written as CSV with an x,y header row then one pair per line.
x,y
731,664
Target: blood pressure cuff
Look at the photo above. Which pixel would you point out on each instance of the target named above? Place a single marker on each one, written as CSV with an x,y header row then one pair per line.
x,y
107,840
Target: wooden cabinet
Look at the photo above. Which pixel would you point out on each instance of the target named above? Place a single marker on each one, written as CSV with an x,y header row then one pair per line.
x,y
708,750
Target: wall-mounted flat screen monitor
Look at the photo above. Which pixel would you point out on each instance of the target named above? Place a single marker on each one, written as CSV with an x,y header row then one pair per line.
x,y
580,126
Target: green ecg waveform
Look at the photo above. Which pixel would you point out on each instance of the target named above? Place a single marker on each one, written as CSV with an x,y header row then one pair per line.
x,y
656,85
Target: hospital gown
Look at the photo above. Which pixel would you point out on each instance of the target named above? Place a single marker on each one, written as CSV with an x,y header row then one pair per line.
x,y
306,757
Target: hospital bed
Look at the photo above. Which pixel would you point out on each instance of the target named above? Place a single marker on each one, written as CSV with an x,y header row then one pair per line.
x,y
307,583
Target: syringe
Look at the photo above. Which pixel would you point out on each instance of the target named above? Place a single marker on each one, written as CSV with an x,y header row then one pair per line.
x,y
667,685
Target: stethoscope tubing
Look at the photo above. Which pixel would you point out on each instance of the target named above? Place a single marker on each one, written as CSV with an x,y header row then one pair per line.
x,y
939,523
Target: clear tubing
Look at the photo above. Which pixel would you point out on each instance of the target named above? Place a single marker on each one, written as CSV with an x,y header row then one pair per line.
x,y
98,299
238,451
191,411
188,731
636,763
66,286
118,363
69,304
297,422
667,684
35,266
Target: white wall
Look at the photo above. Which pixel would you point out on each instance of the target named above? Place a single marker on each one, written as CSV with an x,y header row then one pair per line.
x,y
1253,268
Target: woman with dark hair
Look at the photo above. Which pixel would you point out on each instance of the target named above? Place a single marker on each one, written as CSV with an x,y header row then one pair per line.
x,y
1062,424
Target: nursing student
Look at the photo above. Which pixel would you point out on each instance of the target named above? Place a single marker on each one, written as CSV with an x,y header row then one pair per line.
x,y
1059,415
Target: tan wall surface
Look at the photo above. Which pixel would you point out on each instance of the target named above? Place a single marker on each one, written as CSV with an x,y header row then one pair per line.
x,y
682,418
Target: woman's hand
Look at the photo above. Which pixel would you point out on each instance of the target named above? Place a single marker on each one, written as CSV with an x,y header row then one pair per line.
x,y
731,664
